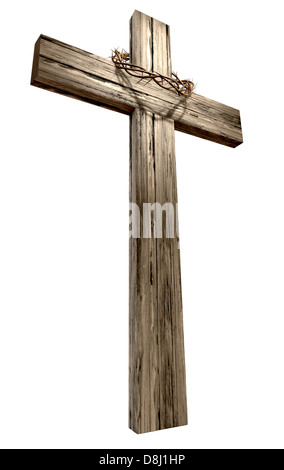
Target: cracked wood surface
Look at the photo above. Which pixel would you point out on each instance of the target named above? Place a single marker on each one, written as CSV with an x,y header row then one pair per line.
x,y
157,387
68,70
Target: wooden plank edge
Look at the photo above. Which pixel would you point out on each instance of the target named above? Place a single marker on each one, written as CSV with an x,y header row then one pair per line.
x,y
38,82
206,135
35,61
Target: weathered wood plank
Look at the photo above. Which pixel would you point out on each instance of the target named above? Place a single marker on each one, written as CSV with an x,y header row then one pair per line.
x,y
73,72
157,389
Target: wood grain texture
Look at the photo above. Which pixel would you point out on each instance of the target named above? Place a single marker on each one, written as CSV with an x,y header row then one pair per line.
x,y
157,388
73,72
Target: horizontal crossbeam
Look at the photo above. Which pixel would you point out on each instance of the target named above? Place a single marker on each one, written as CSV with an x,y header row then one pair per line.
x,y
73,72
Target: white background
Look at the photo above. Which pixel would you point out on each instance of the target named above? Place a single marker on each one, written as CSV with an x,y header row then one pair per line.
x,y
64,234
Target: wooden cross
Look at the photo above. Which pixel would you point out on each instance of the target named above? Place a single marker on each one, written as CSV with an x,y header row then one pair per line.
x,y
157,386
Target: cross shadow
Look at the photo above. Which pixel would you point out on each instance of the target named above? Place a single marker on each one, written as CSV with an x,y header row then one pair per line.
x,y
124,80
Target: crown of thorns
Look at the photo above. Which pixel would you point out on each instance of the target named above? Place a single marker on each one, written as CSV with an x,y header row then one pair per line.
x,y
181,87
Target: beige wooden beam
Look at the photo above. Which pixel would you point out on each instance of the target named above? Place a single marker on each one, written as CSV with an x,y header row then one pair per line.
x,y
68,70
157,388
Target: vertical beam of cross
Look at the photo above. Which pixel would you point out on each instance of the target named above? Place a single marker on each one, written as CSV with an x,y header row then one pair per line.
x,y
157,387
